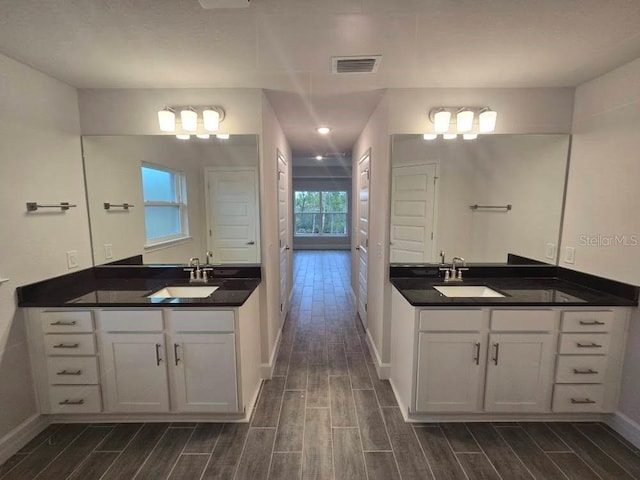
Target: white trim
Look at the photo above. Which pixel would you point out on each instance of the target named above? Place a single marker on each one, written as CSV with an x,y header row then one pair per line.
x,y
625,426
21,435
242,417
152,247
383,369
496,417
266,369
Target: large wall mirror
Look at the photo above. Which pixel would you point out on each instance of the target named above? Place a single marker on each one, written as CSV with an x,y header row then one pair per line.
x,y
478,199
169,199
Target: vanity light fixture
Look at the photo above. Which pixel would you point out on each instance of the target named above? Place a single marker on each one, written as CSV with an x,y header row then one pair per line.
x,y
430,136
189,119
319,157
464,120
470,136
441,119
183,136
167,119
449,136
203,136
487,120
323,130
211,118
222,136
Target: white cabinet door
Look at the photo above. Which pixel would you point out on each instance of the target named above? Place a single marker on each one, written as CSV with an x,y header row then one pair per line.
x,y
204,372
135,372
450,367
519,373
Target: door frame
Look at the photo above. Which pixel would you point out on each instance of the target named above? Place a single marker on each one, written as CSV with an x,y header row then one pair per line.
x,y
207,201
366,155
287,194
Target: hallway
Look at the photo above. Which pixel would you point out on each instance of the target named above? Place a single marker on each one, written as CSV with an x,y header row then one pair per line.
x,y
325,415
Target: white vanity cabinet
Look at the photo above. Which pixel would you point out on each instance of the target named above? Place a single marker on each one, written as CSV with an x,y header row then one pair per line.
x,y
505,361
166,361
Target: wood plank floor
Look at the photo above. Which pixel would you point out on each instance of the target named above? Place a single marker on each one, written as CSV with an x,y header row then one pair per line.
x,y
326,415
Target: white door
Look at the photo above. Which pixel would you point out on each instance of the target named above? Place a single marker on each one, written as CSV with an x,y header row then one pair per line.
x,y
204,372
412,213
450,372
283,222
232,215
363,235
519,372
135,371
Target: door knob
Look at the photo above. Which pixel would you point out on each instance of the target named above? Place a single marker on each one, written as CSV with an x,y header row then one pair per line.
x,y
358,247
287,247
251,243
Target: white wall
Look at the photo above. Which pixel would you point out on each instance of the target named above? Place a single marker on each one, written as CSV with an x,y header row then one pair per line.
x,y
40,160
272,140
603,196
375,138
134,111
113,164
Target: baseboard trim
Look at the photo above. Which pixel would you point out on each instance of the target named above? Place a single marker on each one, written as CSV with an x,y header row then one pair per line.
x,y
383,369
625,426
21,435
266,369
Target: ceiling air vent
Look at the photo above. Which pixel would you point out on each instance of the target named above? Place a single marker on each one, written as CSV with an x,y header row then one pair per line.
x,y
364,64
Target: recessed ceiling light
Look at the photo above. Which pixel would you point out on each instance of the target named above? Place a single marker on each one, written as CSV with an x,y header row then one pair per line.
x,y
323,130
319,157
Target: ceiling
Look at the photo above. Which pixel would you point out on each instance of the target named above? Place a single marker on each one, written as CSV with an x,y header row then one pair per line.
x,y
285,47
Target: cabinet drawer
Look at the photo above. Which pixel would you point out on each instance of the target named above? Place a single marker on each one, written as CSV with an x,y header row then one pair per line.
x,y
451,320
72,370
75,399
584,343
131,321
578,398
67,322
201,321
523,320
581,368
587,321
71,344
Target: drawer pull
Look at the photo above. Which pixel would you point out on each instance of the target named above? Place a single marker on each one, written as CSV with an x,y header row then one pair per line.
x,y
585,401
65,372
588,371
588,345
591,322
497,351
158,359
60,323
175,353
71,402
476,357
67,345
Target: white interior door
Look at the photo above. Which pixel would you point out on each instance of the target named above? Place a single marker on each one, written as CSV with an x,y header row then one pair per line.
x,y
363,235
412,213
283,222
232,207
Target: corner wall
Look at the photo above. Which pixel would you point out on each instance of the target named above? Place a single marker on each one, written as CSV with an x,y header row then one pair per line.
x,y
40,160
603,197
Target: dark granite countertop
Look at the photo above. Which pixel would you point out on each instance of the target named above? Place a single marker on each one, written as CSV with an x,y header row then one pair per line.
x,y
518,291
111,287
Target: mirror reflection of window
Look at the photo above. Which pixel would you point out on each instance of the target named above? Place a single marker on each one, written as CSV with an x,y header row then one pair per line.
x,y
321,213
165,204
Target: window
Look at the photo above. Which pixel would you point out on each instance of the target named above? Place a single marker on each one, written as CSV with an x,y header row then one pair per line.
x,y
165,204
321,213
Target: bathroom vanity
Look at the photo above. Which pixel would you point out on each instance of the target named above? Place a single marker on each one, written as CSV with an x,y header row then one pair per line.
x,y
545,348
107,347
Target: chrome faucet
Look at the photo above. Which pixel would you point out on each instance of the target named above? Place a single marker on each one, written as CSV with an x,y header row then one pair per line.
x,y
197,274
209,257
454,274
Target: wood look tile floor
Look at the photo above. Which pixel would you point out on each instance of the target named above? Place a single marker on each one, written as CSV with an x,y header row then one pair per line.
x,y
325,415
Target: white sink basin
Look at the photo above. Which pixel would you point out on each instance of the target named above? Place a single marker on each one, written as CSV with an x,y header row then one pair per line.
x,y
199,291
468,291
